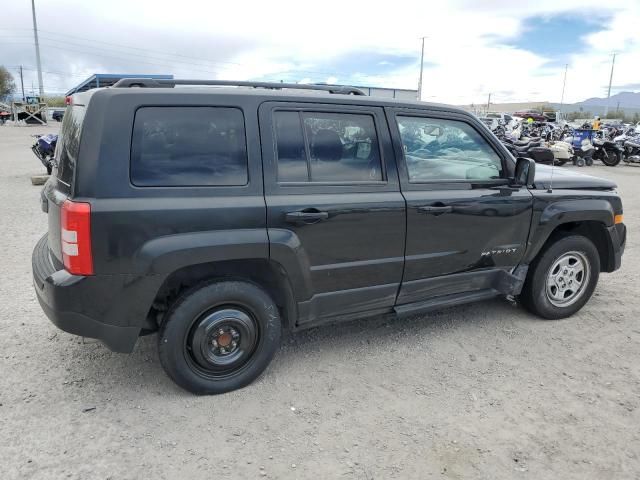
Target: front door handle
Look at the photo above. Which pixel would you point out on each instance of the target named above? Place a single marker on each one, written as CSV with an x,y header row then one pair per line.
x,y
306,216
436,209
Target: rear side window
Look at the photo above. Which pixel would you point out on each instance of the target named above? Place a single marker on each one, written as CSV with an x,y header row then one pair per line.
x,y
189,146
69,143
327,147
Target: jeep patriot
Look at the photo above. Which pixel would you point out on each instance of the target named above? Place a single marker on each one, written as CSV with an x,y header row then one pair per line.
x,y
218,214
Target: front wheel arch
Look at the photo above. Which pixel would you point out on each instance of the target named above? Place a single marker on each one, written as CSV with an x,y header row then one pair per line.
x,y
594,230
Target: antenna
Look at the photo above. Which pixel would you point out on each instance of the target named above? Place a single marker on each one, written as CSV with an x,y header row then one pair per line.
x,y
550,189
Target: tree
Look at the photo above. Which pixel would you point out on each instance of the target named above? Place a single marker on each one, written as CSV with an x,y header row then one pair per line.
x,y
56,101
7,85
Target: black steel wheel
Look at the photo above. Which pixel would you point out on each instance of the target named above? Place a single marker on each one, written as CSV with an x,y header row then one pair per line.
x,y
221,341
219,337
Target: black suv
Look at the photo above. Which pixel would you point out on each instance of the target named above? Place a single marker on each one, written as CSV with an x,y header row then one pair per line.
x,y
218,216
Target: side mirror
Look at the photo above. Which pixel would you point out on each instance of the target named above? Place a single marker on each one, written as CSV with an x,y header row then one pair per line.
x,y
525,171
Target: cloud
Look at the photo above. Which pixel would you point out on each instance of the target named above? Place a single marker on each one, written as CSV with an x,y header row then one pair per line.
x,y
473,48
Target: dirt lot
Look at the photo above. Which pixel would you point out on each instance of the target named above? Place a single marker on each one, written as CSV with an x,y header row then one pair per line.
x,y
484,391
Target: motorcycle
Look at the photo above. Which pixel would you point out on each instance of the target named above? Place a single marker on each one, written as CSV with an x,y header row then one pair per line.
x,y
530,148
607,151
44,148
632,149
562,151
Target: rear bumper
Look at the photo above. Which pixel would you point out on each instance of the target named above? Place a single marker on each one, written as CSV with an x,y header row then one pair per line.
x,y
117,339
618,240
111,308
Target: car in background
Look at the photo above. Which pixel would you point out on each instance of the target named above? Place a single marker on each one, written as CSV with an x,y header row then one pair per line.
x,y
537,116
57,115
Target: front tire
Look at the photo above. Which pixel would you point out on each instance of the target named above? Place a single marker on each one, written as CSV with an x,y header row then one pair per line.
x,y
562,278
219,337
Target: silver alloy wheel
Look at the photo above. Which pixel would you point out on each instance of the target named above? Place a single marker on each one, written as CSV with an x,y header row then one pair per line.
x,y
568,278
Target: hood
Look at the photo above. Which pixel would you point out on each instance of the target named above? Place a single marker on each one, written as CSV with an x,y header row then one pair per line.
x,y
563,178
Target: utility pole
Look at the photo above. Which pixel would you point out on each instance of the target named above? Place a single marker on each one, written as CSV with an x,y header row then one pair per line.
x,y
489,103
22,83
35,36
606,108
421,69
564,83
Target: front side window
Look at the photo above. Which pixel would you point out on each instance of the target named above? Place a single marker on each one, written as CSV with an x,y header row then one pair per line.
x,y
188,146
438,150
326,147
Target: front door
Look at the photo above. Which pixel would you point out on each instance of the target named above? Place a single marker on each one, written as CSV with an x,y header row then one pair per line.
x,y
335,214
463,222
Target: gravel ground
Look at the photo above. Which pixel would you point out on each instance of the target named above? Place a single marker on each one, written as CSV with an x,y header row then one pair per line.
x,y
485,391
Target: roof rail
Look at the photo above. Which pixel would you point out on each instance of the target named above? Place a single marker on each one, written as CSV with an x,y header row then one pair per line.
x,y
170,83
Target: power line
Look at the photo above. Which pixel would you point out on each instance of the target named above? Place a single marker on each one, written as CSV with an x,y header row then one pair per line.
x,y
137,55
164,62
163,53
156,64
57,35
119,55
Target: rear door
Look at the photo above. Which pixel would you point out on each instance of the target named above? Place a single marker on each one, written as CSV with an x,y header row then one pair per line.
x,y
335,214
463,223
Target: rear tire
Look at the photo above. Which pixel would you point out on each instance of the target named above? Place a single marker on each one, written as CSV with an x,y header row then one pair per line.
x,y
611,159
562,278
219,337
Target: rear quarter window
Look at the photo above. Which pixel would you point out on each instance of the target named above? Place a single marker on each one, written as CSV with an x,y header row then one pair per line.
x,y
189,146
68,144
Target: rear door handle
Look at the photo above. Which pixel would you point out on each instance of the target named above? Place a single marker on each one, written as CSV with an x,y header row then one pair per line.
x,y
308,216
436,210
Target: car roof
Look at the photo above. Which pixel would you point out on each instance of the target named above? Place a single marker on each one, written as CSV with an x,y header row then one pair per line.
x,y
265,94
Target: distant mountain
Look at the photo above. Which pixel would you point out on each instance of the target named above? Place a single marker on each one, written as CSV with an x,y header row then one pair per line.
x,y
626,99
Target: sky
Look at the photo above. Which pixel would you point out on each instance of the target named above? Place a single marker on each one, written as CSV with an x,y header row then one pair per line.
x,y
515,50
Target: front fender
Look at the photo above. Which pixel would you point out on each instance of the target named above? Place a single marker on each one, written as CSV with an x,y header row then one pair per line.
x,y
549,215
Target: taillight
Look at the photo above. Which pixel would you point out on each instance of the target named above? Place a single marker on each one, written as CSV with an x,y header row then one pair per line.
x,y
68,100
76,237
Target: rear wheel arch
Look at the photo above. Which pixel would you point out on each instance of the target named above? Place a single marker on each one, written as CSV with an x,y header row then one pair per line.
x,y
266,274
